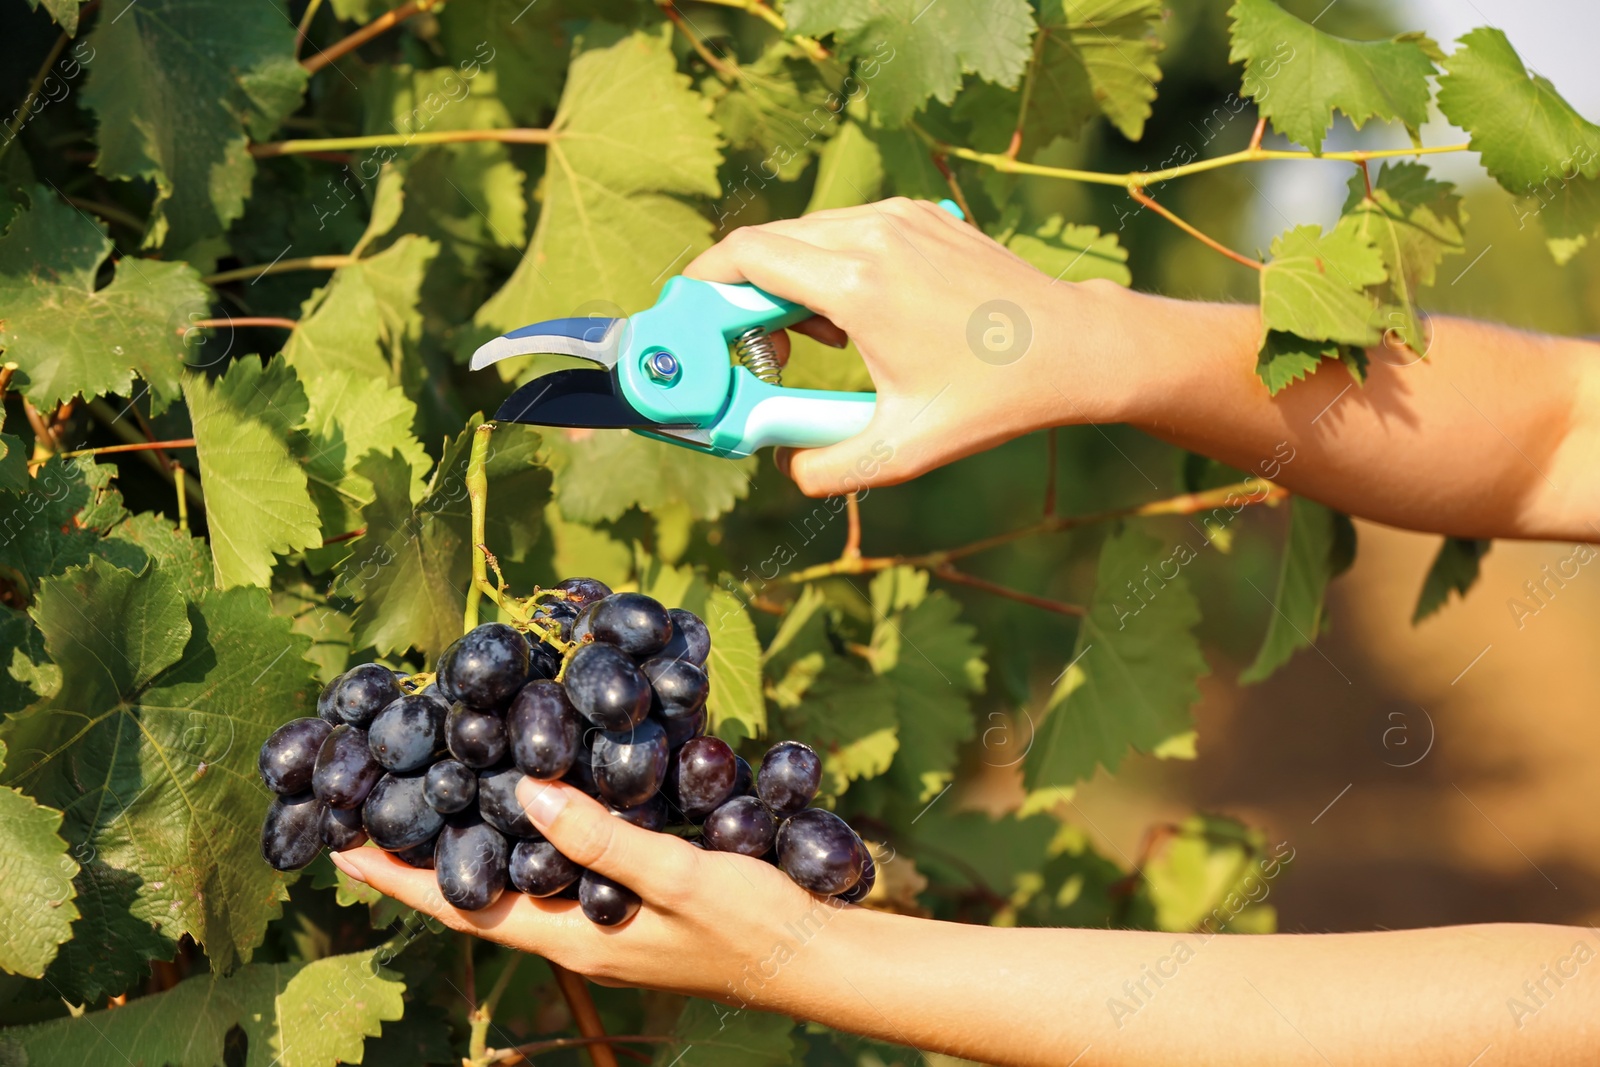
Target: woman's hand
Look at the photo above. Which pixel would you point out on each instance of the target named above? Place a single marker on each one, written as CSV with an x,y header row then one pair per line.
x,y
968,345
709,924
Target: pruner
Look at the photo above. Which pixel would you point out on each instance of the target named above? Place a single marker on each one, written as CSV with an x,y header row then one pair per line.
x,y
698,369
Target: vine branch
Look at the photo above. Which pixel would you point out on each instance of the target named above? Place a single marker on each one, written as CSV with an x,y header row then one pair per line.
x,y
581,1003
136,446
520,1053
1060,607
852,537
261,270
243,320
109,418
1142,197
309,145
810,46
355,39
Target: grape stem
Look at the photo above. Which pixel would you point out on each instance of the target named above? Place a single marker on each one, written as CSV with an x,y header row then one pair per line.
x,y
107,416
137,446
726,69
307,145
852,537
581,1003
239,274
1060,607
1142,197
478,493
355,39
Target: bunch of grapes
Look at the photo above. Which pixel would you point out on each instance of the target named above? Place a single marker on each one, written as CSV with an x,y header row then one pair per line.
x,y
606,691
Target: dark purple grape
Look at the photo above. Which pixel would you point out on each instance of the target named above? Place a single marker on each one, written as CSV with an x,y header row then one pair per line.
x,y
690,640
677,683
470,861
291,836
742,825
342,829
633,622
651,815
364,691
418,856
703,776
396,813
474,736
327,710
681,725
543,727
607,688
580,625
629,766
345,771
485,667
498,803
556,614
605,902
449,786
581,592
789,776
290,755
819,852
539,870
869,876
581,776
543,661
409,733
743,778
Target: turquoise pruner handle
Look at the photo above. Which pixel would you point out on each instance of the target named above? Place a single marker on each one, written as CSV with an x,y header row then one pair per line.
x,y
759,415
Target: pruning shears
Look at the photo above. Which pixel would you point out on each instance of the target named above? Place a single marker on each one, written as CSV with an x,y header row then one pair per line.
x,y
666,373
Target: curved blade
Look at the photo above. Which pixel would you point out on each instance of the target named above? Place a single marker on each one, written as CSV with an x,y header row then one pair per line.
x,y
595,339
573,398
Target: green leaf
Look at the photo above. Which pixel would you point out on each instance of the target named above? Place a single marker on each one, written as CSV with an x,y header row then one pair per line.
x,y
1315,286
36,910
365,320
1212,875
1531,140
74,340
777,107
179,88
1066,251
65,12
149,749
599,474
1135,667
630,136
1454,570
587,551
849,171
1298,75
257,505
61,521
1092,57
909,50
491,35
1285,359
312,1014
13,462
1319,546
712,1035
182,558
348,417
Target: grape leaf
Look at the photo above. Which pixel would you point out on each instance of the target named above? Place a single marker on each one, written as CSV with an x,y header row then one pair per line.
x,y
630,135
36,910
1285,359
1321,545
909,50
61,522
65,12
712,1035
13,465
257,504
149,750
1205,875
74,340
293,1015
179,89
26,673
1531,140
777,106
1092,57
1454,570
599,474
475,34
849,171
584,550
1315,284
182,558
1066,251
365,320
1134,669
348,417
1298,75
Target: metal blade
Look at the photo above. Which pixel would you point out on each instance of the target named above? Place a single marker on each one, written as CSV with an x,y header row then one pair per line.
x,y
595,339
573,398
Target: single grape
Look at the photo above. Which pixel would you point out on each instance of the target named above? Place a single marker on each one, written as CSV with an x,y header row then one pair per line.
x,y
543,661
789,776
474,736
485,667
418,856
327,710
703,776
676,682
629,766
651,815
605,902
470,861
542,727
607,688
364,691
345,771
819,851
580,626
681,724
539,870
690,640
498,803
449,786
291,836
342,829
581,592
409,733
633,622
290,755
869,876
743,778
742,825
396,813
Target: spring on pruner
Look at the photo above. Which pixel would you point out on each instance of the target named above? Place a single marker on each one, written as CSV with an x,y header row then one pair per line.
x,y
755,350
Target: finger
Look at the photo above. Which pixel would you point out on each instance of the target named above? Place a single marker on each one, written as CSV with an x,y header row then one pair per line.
x,y
781,346
788,268
857,463
588,835
819,328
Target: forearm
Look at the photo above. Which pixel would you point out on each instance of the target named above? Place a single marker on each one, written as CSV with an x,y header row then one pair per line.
x,y
1028,996
1495,434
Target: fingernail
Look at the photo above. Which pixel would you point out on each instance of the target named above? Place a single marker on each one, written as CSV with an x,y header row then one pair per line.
x,y
542,801
347,867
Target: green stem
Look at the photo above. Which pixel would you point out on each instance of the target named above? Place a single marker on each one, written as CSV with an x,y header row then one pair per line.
x,y
180,478
515,135
110,419
239,274
478,493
